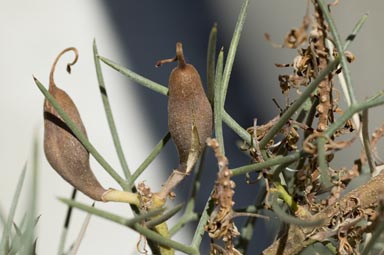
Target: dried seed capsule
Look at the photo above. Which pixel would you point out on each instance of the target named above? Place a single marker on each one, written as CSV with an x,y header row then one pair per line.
x,y
63,150
188,110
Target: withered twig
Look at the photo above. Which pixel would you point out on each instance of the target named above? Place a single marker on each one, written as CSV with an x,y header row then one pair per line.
x,y
297,238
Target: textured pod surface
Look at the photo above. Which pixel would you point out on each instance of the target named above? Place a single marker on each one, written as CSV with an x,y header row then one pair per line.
x,y
188,106
63,150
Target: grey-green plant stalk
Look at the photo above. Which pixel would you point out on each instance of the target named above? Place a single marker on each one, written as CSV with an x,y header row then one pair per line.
x,y
108,113
211,55
218,102
7,231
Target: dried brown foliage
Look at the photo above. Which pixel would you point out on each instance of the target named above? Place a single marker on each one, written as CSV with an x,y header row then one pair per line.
x,y
220,226
348,217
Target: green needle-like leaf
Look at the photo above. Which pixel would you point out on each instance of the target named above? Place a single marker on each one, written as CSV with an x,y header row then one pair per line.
x,y
8,226
198,236
355,30
340,48
134,223
236,127
278,160
110,216
291,219
64,231
108,112
218,102
189,215
211,55
150,158
187,249
31,219
164,217
136,77
2,216
369,103
233,47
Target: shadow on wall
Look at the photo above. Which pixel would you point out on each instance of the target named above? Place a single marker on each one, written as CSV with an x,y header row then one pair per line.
x,y
149,32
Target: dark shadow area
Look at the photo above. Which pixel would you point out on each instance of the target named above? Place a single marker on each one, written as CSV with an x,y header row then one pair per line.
x,y
148,32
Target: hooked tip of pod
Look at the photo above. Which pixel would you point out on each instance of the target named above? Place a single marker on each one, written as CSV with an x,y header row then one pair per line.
x,y
51,74
179,57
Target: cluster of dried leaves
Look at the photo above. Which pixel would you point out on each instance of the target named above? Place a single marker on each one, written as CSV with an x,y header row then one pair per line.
x,y
346,220
220,225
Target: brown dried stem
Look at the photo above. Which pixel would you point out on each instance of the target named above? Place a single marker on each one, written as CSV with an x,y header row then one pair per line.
x,y
220,224
364,197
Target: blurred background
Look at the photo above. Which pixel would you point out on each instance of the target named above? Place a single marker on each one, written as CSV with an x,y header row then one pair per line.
x,y
136,35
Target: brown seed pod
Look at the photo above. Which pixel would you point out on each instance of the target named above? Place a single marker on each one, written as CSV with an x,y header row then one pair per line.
x,y
189,111
63,150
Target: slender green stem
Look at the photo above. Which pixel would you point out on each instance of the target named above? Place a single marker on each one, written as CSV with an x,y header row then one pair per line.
x,y
287,198
278,169
369,103
64,232
29,237
323,165
150,158
340,48
108,112
332,250
2,216
298,103
233,48
164,217
165,241
236,128
189,215
132,223
218,105
136,77
291,219
271,162
366,141
140,80
198,236
111,216
81,136
8,225
355,30
211,55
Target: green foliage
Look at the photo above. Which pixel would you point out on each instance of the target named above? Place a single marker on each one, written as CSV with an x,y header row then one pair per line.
x,y
20,238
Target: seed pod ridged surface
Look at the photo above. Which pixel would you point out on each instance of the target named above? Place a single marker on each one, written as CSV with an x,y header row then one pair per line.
x,y
188,106
63,150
